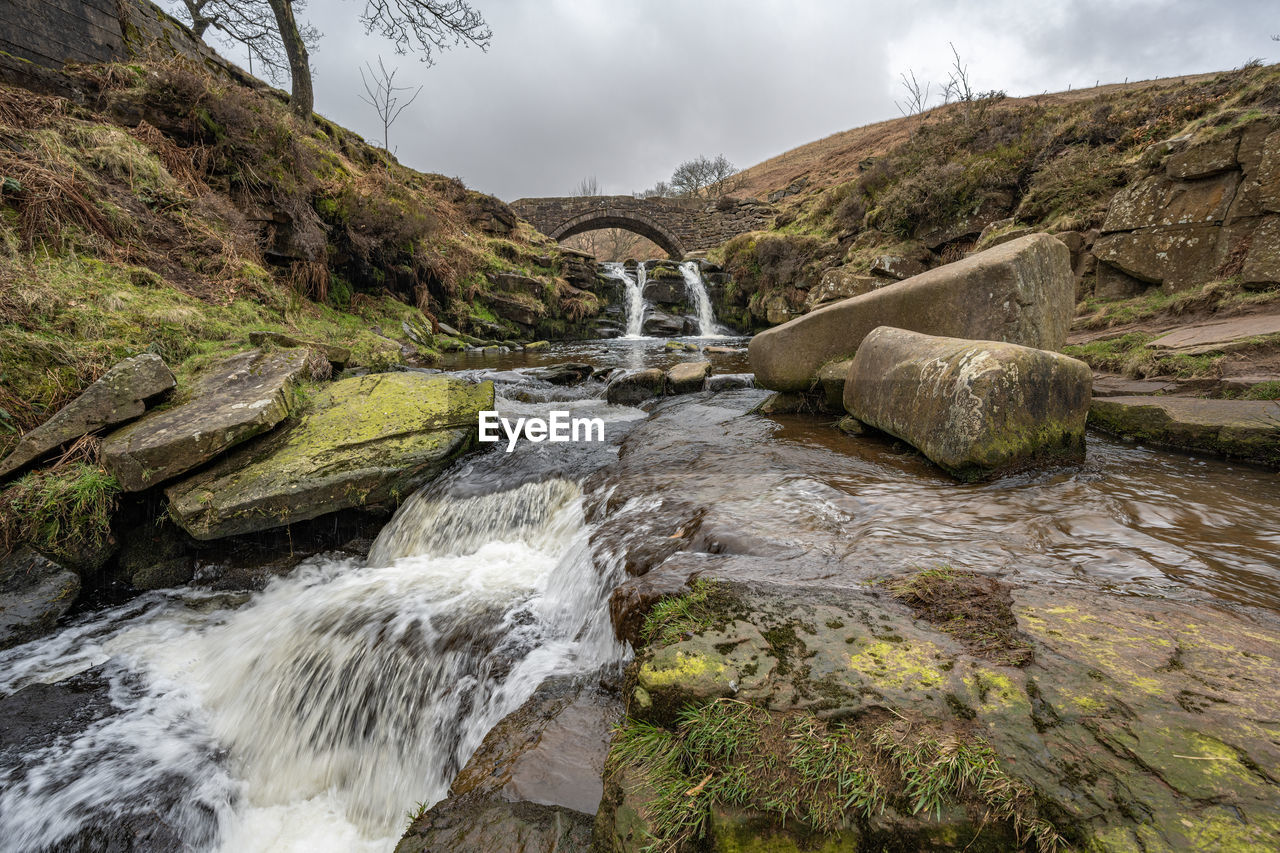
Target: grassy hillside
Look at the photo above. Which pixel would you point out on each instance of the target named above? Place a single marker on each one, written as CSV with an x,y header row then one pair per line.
x,y
170,211
915,187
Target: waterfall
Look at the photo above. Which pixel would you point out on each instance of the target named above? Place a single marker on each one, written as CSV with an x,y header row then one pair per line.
x,y
635,304
314,715
697,290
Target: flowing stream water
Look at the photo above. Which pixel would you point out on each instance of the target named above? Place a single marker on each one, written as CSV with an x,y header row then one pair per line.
x,y
310,715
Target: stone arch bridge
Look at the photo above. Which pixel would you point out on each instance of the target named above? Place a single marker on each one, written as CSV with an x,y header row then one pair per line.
x,y
679,226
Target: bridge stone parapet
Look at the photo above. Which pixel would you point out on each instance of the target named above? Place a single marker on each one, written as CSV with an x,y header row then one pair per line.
x,y
678,225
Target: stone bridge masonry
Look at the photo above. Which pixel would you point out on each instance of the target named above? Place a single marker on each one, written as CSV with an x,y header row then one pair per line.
x,y
679,226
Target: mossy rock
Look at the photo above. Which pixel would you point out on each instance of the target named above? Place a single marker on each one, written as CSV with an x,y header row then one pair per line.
x,y
366,441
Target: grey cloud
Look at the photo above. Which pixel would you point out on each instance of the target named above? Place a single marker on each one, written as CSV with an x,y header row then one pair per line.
x,y
627,90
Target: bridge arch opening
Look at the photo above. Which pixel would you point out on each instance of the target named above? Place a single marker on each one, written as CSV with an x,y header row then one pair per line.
x,y
626,220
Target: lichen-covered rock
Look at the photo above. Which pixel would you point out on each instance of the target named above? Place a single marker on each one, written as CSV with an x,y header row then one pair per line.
x,y
1022,292
1161,201
1136,724
1176,258
1204,158
841,283
120,395
365,441
34,592
635,386
687,377
1237,429
976,408
246,395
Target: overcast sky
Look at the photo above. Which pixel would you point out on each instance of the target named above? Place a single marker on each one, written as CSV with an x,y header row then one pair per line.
x,y
626,89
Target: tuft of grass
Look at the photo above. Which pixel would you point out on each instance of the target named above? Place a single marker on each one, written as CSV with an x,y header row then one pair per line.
x,y
1129,354
415,814
1269,390
798,769
673,618
63,510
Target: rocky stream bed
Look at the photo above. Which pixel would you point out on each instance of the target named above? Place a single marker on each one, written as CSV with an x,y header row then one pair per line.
x,y
544,650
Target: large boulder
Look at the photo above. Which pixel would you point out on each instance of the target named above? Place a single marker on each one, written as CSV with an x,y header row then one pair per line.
x,y
976,408
246,395
1021,292
365,441
687,377
635,386
34,593
120,395
663,325
1237,429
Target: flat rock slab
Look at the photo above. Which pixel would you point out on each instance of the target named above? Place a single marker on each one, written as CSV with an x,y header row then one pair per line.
x,y
1021,292
338,356
1237,429
365,441
1142,724
34,593
1206,337
119,396
1109,385
246,395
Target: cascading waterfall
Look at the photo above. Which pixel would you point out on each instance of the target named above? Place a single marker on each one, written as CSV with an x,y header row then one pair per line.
x,y
636,303
634,286
319,711
697,290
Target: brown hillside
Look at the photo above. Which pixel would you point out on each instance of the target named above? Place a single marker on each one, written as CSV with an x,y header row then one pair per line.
x,y
835,158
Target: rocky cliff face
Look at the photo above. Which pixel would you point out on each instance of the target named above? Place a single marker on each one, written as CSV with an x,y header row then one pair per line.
x,y
1209,209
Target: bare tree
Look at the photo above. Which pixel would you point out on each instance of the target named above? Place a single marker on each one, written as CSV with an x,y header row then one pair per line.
x,y
703,176
958,86
388,99
252,25
588,186
424,27
917,95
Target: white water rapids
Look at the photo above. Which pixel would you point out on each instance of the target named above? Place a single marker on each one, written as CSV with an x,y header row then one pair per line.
x,y
313,716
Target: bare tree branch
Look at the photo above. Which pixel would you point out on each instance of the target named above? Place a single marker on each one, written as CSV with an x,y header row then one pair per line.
x,y
426,26
382,93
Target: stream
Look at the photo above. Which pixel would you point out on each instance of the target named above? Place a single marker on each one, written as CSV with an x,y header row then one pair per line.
x,y
313,714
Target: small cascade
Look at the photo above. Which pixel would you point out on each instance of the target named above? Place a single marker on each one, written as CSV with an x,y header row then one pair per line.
x,y
636,304
314,715
697,290
634,287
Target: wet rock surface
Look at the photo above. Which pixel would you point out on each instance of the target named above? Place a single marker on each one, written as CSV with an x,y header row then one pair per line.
x,y
120,395
1162,707
34,593
1248,430
246,395
688,377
